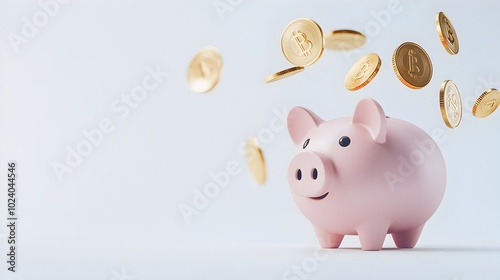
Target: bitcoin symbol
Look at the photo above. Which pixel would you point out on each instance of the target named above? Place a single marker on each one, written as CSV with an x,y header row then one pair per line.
x,y
205,68
452,99
362,71
450,37
304,44
412,63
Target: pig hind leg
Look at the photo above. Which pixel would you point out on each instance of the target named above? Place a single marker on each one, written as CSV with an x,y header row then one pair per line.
x,y
408,238
328,239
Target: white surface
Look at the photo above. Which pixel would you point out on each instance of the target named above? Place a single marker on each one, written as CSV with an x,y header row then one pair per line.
x,y
119,207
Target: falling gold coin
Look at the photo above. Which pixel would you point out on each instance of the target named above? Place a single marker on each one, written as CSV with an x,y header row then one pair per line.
x,y
342,40
283,74
487,103
450,103
362,72
447,33
255,161
412,65
204,70
302,42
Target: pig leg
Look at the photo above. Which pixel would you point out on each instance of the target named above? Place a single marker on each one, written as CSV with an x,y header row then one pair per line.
x,y
372,235
408,238
327,239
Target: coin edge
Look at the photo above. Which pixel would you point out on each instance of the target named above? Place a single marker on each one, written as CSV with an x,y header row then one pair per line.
x,y
349,31
442,103
441,35
279,75
396,70
480,99
253,143
370,78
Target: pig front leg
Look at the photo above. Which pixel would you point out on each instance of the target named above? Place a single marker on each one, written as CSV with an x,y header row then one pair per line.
x,y
328,239
408,238
372,235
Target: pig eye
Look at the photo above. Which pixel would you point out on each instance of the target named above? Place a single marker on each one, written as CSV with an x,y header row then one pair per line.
x,y
306,143
344,141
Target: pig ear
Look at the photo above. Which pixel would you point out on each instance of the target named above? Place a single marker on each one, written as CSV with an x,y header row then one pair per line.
x,y
300,122
370,114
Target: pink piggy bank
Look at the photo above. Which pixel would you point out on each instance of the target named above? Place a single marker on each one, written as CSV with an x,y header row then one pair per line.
x,y
366,175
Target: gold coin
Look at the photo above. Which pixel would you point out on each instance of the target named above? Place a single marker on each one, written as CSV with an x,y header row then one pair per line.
x,y
302,42
362,72
447,33
412,65
204,70
283,74
487,103
342,40
255,161
450,103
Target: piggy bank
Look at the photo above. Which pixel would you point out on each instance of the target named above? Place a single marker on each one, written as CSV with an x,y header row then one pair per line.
x,y
367,175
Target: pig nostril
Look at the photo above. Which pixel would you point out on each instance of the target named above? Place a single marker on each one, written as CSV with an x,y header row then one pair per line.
x,y
298,174
314,173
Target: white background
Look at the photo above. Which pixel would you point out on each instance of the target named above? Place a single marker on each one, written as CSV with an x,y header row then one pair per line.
x,y
116,215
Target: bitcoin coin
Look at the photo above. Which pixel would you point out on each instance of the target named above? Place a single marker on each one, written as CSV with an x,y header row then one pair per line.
x,y
302,42
204,70
362,72
487,103
342,40
447,33
255,161
412,65
450,103
283,74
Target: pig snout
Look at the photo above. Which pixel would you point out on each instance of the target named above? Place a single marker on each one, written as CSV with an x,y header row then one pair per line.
x,y
310,175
